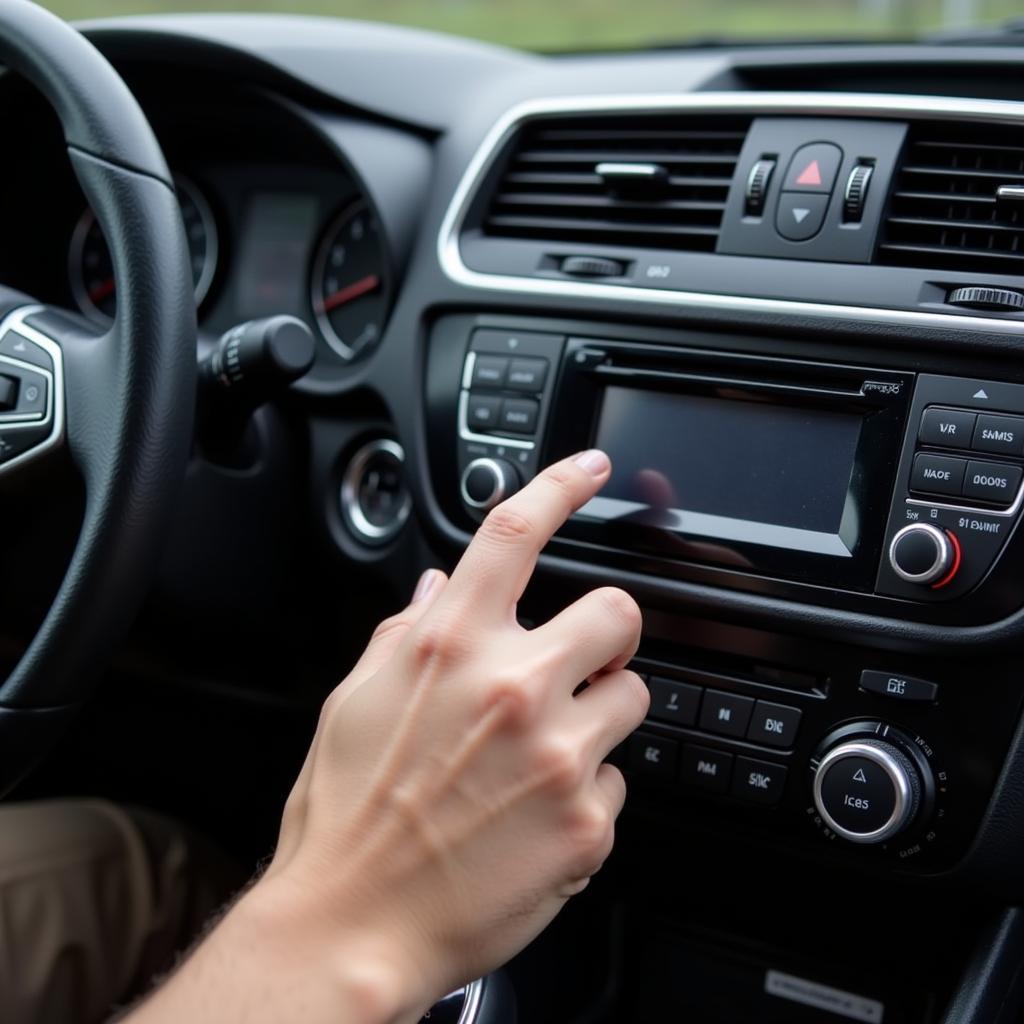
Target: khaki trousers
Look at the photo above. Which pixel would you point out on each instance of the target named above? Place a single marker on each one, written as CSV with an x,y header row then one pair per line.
x,y
95,901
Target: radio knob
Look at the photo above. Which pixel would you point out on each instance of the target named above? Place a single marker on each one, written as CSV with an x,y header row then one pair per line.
x,y
922,553
486,482
867,790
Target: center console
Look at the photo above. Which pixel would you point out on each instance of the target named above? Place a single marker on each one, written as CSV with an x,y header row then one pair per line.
x,y
866,487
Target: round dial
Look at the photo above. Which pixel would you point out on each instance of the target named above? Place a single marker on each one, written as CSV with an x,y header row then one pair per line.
x,y
486,482
350,283
924,554
92,273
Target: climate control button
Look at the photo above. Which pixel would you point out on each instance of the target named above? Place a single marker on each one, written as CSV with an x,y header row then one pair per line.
x,y
487,482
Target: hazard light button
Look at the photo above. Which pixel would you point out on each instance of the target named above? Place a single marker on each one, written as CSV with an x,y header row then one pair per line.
x,y
814,168
800,215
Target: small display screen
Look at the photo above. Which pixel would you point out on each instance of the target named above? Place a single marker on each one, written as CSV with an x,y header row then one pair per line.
x,y
277,236
730,469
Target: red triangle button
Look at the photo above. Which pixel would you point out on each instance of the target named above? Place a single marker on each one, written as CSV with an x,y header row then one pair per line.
x,y
810,175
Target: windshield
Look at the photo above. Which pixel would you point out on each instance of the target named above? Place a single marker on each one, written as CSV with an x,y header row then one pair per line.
x,y
569,25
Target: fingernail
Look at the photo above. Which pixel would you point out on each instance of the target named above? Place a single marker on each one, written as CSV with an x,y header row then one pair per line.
x,y
425,585
594,461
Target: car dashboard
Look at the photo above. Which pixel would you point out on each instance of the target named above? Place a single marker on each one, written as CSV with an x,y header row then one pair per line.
x,y
782,287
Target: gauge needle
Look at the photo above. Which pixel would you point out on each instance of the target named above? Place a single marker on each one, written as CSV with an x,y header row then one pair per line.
x,y
102,291
350,292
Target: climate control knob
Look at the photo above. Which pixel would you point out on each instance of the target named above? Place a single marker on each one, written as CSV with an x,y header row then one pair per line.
x,y
867,790
925,554
486,482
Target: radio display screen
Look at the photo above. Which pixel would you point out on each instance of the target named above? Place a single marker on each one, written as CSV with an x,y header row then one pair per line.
x,y
712,467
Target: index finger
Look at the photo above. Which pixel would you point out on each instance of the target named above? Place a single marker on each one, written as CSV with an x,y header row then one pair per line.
x,y
497,565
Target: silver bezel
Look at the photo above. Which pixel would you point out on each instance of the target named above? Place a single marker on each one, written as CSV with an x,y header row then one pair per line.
x,y
500,489
852,104
54,416
351,510
943,553
896,772
466,432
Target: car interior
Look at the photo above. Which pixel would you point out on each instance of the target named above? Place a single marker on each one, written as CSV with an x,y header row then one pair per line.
x,y
781,283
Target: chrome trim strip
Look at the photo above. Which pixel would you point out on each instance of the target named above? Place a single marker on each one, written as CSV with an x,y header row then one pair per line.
x,y
54,417
473,999
788,103
499,439
1003,513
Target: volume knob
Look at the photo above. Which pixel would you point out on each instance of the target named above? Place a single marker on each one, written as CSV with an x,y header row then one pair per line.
x,y
922,553
867,790
486,482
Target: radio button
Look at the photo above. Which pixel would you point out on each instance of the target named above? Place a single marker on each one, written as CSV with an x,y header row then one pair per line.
x,y
774,724
726,713
937,474
706,769
519,415
992,481
899,687
674,702
758,782
527,375
483,412
1001,435
950,428
490,371
653,755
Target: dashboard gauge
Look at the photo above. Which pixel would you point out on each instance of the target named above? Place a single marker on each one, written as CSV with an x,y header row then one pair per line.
x,y
350,283
92,273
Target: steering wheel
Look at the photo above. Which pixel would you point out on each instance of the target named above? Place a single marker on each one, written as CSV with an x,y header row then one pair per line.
x,y
120,402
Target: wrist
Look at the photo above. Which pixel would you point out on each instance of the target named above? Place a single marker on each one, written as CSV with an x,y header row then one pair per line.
x,y
342,971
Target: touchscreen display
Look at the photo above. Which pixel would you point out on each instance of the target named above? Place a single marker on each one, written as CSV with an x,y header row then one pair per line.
x,y
736,470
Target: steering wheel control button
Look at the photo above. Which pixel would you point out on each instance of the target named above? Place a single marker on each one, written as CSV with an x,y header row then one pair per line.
x,y
519,415
375,502
813,168
992,481
15,442
898,687
8,392
486,482
726,713
32,394
15,346
527,375
800,215
947,428
706,768
758,782
652,755
674,702
866,790
490,371
483,412
922,553
774,725
1000,435
937,474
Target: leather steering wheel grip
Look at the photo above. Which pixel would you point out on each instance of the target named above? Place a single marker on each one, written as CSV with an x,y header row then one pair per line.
x,y
129,395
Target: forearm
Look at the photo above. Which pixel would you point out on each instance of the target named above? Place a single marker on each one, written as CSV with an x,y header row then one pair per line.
x,y
270,961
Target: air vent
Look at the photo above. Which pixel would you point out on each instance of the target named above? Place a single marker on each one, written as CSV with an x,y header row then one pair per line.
x,y
653,181
952,205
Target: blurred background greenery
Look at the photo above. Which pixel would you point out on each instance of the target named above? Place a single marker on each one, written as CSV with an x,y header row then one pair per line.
x,y
599,24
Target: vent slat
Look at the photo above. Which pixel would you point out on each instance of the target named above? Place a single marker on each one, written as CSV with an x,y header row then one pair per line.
x,y
550,191
943,210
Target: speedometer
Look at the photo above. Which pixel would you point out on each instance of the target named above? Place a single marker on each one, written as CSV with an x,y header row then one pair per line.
x,y
92,273
350,283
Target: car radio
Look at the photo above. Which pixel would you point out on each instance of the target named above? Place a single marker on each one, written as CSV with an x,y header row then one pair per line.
x,y
864,480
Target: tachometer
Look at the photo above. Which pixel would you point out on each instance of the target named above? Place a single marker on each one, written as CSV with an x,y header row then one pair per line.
x,y
91,271
350,282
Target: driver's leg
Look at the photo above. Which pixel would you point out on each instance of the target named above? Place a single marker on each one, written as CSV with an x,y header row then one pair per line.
x,y
95,900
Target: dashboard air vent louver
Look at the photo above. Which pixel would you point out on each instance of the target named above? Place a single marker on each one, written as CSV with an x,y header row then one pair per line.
x,y
660,182
952,206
